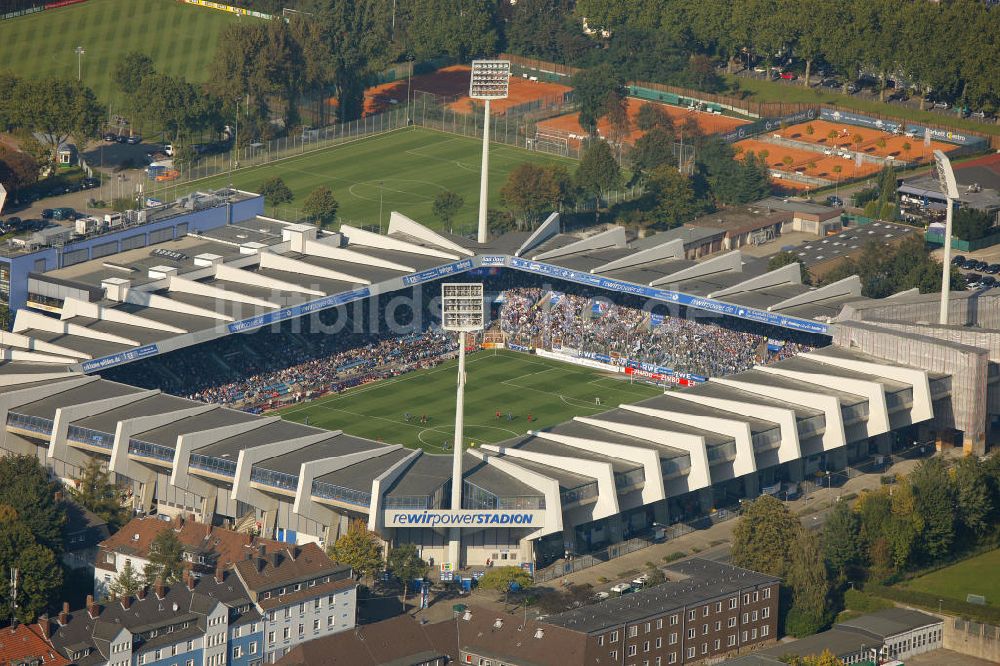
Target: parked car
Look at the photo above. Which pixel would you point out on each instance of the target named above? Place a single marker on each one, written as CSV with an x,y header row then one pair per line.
x,y
941,105
13,222
834,201
830,83
969,265
958,260
988,281
981,265
110,137
973,279
978,114
852,88
63,213
788,76
134,139
47,213
622,588
640,581
90,183
993,269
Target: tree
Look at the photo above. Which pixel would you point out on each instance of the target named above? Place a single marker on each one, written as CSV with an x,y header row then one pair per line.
x,y
446,206
26,487
654,576
786,258
841,540
96,492
527,194
18,170
807,579
359,549
276,192
127,583
974,497
320,206
405,563
503,579
672,196
596,90
598,172
57,109
653,149
130,70
935,504
764,536
166,558
652,116
39,572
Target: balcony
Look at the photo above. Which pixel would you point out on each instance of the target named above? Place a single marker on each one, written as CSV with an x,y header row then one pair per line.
x,y
36,424
137,447
579,494
90,437
337,493
274,479
476,497
213,465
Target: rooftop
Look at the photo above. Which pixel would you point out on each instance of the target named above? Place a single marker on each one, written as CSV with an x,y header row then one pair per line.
x,y
290,564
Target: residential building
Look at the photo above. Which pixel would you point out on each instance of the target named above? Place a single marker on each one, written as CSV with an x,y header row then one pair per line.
x,y
206,547
82,533
302,594
28,645
706,611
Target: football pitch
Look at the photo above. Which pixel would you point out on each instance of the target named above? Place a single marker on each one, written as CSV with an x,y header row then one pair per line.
x,y
403,170
976,575
180,39
550,391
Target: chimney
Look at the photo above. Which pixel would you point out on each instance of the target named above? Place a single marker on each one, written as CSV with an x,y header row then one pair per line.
x,y
262,550
141,593
220,574
126,601
92,608
43,624
64,614
190,581
159,589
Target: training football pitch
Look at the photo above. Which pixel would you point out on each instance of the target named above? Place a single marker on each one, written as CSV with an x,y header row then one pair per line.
x,y
181,40
976,575
507,381
403,170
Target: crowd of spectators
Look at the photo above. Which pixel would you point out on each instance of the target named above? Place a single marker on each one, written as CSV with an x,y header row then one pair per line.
x,y
709,347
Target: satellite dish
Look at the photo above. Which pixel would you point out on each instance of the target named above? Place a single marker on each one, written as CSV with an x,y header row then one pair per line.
x,y
175,606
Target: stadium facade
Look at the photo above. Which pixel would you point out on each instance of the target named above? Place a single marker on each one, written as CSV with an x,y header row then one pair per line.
x,y
888,380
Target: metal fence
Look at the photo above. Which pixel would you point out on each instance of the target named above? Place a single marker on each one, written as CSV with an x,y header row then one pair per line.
x,y
978,629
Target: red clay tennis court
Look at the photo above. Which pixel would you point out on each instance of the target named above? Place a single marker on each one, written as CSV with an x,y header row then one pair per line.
x,y
568,125
806,161
453,83
895,144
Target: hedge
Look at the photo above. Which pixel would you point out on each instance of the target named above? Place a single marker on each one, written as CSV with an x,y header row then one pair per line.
x,y
988,614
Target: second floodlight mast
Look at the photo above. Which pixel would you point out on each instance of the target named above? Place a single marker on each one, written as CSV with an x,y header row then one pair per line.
x,y
490,80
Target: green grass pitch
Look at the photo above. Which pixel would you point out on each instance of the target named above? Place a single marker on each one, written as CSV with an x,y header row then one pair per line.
x,y
180,39
551,391
976,575
412,164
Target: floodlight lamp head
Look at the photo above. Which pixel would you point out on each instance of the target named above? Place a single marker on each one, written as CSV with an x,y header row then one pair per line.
x,y
490,79
462,307
945,175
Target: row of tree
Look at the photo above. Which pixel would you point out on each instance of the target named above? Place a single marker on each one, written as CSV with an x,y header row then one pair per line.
x,y
946,48
932,515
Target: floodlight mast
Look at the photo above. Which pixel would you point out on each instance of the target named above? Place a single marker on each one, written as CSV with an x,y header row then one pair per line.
x,y
462,311
949,187
490,80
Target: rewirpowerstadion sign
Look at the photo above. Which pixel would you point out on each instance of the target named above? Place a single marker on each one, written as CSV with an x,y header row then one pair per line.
x,y
463,518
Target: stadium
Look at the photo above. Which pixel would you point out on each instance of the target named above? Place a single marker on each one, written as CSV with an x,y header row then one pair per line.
x,y
621,387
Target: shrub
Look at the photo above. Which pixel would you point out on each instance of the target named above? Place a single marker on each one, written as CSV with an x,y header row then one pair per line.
x,y
857,600
674,556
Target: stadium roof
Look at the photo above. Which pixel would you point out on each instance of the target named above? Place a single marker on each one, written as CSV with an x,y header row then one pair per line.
x,y
247,275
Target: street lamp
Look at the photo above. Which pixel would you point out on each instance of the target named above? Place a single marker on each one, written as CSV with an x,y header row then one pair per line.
x,y
490,80
949,187
380,206
462,311
79,62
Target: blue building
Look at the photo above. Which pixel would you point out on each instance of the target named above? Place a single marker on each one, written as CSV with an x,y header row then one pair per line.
x,y
136,229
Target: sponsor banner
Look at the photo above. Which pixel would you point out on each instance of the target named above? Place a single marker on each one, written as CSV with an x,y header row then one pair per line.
x,y
766,125
62,3
20,12
228,8
707,304
774,345
119,358
463,518
439,272
493,260
928,133
606,366
771,490
493,345
520,348
298,310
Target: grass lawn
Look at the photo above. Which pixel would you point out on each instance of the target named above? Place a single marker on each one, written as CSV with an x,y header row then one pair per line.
x,y
549,390
412,164
180,39
977,575
770,91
